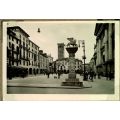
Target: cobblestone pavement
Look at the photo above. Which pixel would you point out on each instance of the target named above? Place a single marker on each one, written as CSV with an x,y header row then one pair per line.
x,y
40,84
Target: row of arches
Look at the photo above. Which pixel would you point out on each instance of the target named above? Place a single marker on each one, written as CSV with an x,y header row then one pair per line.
x,y
33,71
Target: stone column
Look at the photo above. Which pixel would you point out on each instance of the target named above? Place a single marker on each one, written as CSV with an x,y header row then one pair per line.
x,y
72,80
106,45
97,50
100,61
106,50
71,66
110,40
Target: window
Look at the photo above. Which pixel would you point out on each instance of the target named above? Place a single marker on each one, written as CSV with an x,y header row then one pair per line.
x,y
103,58
23,53
20,42
17,41
36,47
12,39
17,49
10,44
20,36
20,53
24,44
23,62
9,37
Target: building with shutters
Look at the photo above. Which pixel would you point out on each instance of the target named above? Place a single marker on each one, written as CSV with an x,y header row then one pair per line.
x,y
33,58
17,51
43,62
24,56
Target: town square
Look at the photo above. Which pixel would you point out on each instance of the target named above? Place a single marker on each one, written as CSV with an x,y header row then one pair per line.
x,y
57,57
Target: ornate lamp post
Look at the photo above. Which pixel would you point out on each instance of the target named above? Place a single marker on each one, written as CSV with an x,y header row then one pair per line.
x,y
83,57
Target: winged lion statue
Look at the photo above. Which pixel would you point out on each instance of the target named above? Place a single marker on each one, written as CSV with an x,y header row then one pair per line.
x,y
72,42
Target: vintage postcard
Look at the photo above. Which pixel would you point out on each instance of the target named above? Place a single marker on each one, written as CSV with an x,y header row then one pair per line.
x,y
60,59
0,60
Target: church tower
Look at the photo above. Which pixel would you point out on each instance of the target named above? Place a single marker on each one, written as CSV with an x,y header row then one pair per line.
x,y
60,50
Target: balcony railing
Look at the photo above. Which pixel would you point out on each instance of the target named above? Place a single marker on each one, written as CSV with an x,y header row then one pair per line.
x,y
26,48
25,58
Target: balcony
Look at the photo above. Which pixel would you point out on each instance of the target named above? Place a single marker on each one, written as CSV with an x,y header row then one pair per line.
x,y
16,52
16,60
24,58
25,48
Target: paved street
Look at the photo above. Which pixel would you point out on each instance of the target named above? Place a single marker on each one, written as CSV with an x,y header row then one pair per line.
x,y
40,84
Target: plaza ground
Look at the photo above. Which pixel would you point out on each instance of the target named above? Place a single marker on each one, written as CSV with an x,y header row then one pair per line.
x,y
41,84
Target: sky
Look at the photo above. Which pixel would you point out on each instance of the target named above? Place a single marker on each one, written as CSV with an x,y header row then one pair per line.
x,y
53,32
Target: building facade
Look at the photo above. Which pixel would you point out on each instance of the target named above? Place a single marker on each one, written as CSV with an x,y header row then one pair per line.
x,y
23,55
45,62
50,61
92,65
33,58
62,65
17,51
105,48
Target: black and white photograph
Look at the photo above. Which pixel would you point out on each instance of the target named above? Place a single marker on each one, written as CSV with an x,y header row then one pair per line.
x,y
59,60
59,57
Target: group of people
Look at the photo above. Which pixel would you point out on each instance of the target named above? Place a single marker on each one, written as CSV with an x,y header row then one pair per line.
x,y
58,74
90,75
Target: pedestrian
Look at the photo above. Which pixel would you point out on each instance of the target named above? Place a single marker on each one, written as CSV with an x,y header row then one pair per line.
x,y
110,75
99,75
91,75
48,74
58,75
107,76
44,72
94,75
86,75
10,75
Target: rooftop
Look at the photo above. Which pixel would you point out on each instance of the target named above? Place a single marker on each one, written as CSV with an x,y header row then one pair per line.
x,y
17,27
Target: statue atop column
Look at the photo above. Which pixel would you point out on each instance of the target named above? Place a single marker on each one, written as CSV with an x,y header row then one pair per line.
x,y
72,42
72,48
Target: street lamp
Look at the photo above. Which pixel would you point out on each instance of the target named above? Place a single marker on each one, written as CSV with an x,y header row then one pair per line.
x,y
38,30
83,57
